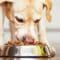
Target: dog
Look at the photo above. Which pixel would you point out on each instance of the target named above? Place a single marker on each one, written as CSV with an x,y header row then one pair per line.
x,y
26,26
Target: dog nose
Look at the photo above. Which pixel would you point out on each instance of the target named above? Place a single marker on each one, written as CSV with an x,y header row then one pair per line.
x,y
28,40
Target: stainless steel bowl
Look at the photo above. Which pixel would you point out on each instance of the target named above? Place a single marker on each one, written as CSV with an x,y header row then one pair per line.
x,y
15,52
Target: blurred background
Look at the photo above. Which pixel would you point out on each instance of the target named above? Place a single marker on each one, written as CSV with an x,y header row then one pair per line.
x,y
52,29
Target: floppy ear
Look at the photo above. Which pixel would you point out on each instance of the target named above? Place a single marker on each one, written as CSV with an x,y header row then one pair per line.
x,y
7,8
48,9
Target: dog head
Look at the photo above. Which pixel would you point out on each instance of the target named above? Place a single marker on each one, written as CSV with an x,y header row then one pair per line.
x,y
26,20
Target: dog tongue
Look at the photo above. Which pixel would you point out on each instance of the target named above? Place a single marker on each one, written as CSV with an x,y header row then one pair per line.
x,y
29,40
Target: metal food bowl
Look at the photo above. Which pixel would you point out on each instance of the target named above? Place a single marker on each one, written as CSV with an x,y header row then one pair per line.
x,y
25,51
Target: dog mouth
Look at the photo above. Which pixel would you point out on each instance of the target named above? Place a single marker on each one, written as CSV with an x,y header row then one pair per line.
x,y
27,40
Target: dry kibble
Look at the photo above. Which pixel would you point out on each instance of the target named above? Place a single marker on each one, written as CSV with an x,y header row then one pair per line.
x,y
20,43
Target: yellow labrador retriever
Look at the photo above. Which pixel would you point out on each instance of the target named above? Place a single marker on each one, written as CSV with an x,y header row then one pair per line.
x,y
26,25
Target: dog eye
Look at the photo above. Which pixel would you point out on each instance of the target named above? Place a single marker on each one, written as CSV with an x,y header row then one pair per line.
x,y
44,5
19,20
37,20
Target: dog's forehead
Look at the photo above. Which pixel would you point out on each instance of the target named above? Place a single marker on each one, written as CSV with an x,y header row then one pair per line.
x,y
21,4
23,8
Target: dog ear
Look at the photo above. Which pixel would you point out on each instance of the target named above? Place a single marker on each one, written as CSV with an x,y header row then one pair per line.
x,y
7,8
48,9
